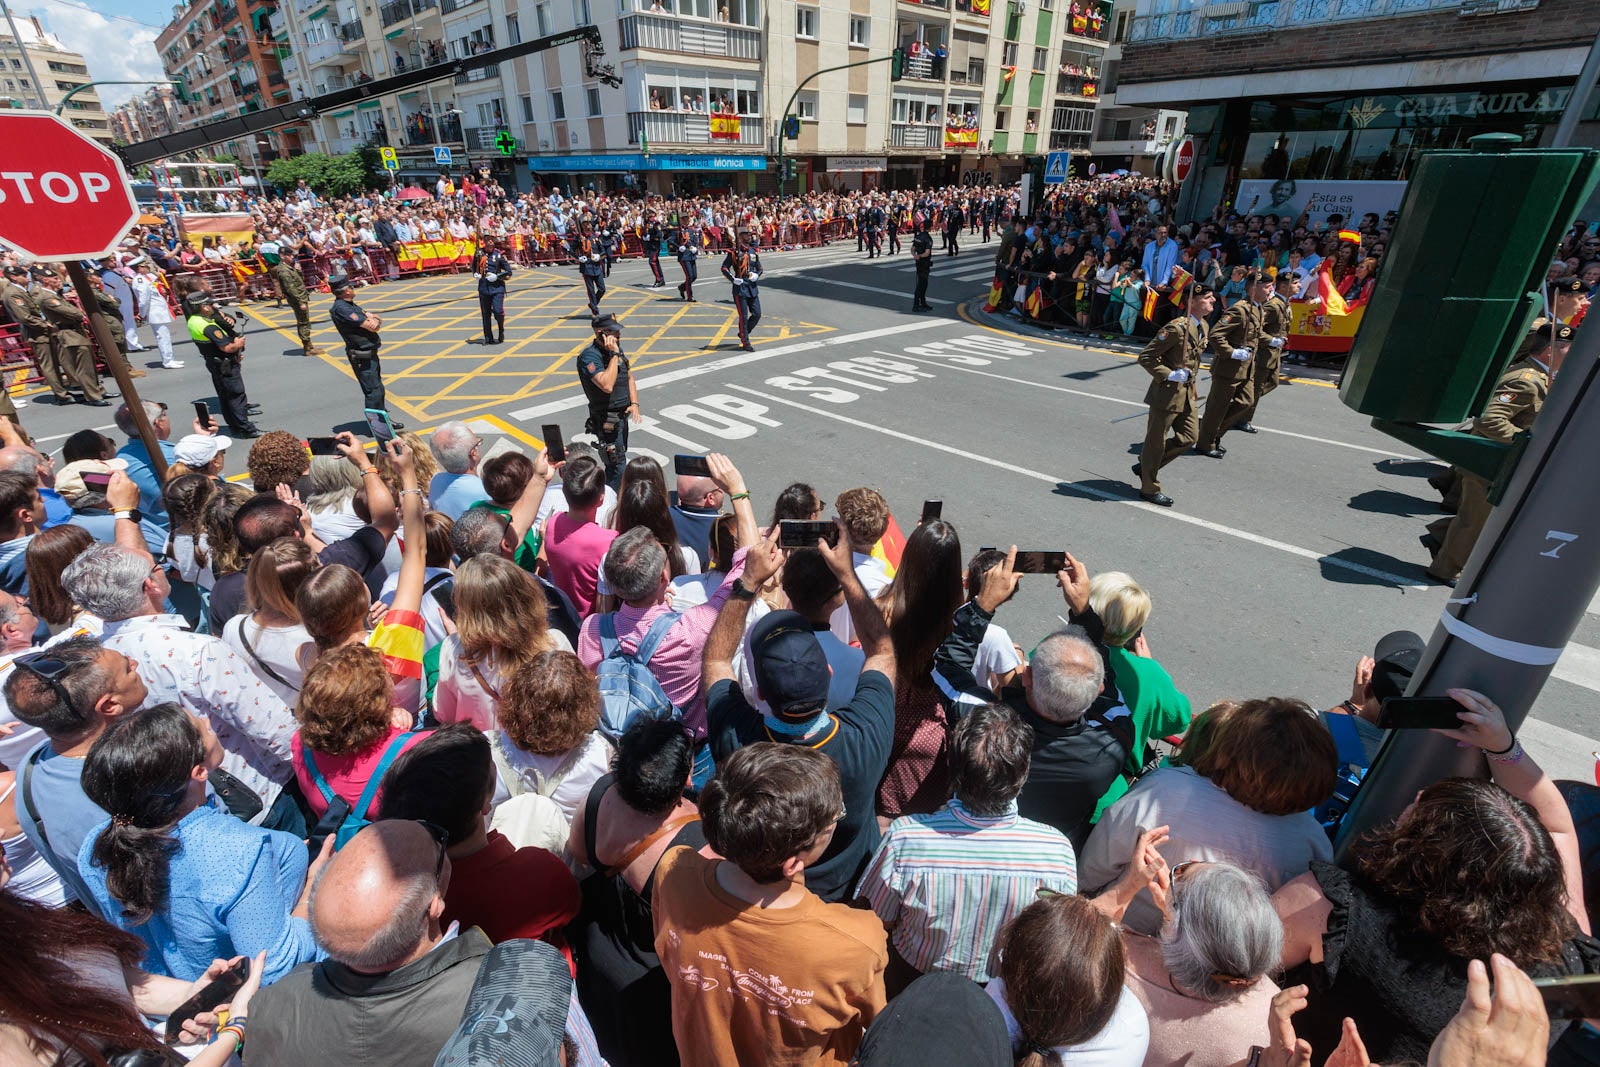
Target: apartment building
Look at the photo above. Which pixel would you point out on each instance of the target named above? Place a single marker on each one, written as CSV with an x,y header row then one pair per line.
x,y
37,71
223,52
1128,136
153,113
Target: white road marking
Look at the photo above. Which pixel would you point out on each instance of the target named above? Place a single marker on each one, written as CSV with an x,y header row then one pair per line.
x,y
649,425
1580,665
729,362
1561,753
1140,404
1099,494
870,288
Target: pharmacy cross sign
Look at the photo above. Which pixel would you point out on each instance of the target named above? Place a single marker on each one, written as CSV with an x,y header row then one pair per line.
x,y
505,142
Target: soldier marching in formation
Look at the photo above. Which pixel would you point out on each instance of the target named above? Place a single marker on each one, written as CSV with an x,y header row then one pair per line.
x,y
69,342
1275,318
1173,359
1233,342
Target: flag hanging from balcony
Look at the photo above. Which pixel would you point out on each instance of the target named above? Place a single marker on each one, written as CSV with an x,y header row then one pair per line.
x,y
978,7
724,126
1009,73
960,137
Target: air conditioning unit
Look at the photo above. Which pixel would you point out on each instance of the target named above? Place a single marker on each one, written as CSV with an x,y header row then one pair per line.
x,y
1021,6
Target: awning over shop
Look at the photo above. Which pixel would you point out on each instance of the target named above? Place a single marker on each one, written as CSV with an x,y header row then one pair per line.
x,y
631,161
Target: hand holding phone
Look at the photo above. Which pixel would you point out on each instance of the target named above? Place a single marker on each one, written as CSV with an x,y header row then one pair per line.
x,y
695,467
1419,713
378,422
1040,562
805,533
322,446
219,990
553,444
202,413
96,483
931,510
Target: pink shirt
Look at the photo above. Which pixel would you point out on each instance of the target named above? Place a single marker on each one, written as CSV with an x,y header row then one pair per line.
x,y
576,549
346,775
677,661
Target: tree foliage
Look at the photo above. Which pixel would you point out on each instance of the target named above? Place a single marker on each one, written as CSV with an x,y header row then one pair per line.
x,y
335,176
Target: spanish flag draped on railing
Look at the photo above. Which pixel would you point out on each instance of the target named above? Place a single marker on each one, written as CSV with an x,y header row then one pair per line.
x,y
1332,302
434,255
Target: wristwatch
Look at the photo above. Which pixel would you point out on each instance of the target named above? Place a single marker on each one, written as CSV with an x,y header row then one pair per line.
x,y
131,514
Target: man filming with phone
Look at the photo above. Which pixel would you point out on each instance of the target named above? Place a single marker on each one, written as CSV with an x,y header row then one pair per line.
x,y
612,394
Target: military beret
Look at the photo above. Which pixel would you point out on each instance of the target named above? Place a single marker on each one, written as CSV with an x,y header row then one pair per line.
x,y
45,272
1558,331
1568,284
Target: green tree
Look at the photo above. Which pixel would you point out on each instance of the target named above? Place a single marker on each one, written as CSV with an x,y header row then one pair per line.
x,y
327,175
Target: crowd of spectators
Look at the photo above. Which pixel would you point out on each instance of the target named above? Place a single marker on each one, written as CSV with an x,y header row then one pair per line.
x,y
481,761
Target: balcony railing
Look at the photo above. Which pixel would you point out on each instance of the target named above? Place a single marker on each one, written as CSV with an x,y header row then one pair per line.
x,y
1169,19
277,24
1061,140
448,132
915,135
673,128
447,6
479,74
276,78
699,37
334,83
481,138
290,65
351,32
320,52
400,10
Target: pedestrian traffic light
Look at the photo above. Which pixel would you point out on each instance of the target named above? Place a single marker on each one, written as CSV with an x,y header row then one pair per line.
x,y
789,169
897,64
1445,318
791,127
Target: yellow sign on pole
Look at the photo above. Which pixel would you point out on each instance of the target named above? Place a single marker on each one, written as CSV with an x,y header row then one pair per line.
x,y
386,154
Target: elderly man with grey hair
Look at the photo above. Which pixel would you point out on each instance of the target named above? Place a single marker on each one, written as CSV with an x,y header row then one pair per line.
x,y
457,487
1082,732
202,674
140,468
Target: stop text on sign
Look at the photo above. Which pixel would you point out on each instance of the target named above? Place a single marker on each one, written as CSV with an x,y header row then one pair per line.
x,y
53,185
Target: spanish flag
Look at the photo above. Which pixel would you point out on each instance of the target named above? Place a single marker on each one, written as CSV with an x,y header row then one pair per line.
x,y
1035,302
890,547
1149,310
1180,278
1350,236
996,294
1332,302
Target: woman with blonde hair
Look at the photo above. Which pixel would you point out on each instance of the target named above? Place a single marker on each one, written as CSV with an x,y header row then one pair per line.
x,y
271,635
501,624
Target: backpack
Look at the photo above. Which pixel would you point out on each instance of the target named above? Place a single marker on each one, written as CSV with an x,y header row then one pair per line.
x,y
341,820
628,691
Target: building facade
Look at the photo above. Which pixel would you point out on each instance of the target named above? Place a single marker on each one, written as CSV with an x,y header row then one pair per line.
x,y
1294,94
37,71
153,113
1128,137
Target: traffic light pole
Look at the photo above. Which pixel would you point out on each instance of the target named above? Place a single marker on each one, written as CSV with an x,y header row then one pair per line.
x,y
1519,599
895,56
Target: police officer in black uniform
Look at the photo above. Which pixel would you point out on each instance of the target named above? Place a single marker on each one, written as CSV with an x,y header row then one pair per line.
x,y
892,226
493,270
589,251
688,253
611,242
612,394
652,249
922,258
222,347
361,342
874,231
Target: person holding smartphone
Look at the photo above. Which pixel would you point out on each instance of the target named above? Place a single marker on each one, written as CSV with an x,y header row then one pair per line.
x,y
612,393
359,329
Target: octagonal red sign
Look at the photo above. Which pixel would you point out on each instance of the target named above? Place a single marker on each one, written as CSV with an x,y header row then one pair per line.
x,y
62,194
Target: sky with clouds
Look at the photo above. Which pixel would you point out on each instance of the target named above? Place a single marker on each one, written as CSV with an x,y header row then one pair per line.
x,y
116,37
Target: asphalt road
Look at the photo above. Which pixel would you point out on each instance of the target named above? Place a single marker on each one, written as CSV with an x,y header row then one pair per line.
x,y
1278,568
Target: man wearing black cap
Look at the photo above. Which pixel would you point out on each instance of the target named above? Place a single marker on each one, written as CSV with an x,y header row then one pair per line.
x,y
492,270
361,342
1173,359
222,348
922,258
1512,409
69,338
612,393
1233,342
1354,722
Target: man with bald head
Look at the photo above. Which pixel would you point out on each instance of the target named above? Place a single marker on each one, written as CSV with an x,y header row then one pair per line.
x,y
394,984
695,507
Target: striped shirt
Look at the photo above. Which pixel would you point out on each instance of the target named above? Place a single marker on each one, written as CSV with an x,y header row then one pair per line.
x,y
946,883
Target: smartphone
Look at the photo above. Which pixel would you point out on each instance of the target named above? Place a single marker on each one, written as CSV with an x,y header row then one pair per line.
x,y
696,467
553,443
804,533
1575,996
931,510
378,422
202,412
323,446
1419,713
97,483
219,990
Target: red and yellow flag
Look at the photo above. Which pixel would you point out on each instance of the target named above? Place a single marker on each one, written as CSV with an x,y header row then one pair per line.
x,y
1035,302
1180,278
890,547
1332,302
724,126
1149,310
997,293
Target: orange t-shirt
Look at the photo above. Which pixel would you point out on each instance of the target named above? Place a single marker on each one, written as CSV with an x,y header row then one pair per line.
x,y
763,986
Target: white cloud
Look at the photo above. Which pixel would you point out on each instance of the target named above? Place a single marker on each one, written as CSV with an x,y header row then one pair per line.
x,y
115,49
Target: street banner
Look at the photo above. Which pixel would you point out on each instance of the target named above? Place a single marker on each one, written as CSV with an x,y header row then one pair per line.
x,y
1317,199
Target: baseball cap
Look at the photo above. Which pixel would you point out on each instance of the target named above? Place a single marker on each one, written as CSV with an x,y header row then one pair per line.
x,y
197,449
69,479
792,672
1396,658
516,1013
939,1018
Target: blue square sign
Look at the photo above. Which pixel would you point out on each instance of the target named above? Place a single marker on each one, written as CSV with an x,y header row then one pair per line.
x,y
1055,168
441,156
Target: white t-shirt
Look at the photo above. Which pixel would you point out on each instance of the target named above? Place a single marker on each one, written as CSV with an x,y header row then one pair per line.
x,y
997,655
278,647
183,546
874,579
1122,1043
593,760
433,624
335,524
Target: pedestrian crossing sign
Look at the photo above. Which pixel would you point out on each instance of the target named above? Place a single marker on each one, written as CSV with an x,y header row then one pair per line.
x,y
1055,168
441,155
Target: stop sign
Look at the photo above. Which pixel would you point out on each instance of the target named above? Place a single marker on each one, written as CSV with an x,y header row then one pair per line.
x,y
1183,163
62,195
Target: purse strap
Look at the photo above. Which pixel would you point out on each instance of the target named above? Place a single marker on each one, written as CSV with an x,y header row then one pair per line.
x,y
244,639
671,826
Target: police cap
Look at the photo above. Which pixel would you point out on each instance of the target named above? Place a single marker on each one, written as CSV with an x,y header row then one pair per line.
x,y
607,324
197,300
337,282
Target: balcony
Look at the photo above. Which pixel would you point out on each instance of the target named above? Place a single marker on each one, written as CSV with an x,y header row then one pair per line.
x,y
339,146
481,138
290,65
320,53
697,37
1066,140
926,64
447,6
335,82
421,133
478,74
276,78
351,34
400,10
916,135
690,128
1167,20
277,24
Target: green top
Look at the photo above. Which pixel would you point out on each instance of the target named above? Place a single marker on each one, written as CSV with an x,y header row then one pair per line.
x,y
1158,708
527,552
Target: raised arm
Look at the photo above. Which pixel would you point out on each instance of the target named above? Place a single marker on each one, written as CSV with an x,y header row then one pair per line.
x,y
380,503
731,482
871,629
414,557
722,644
526,509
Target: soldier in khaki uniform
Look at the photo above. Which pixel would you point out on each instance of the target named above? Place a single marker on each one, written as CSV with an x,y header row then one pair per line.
x,y
36,330
292,287
1517,398
1233,342
111,315
70,342
1173,359
1275,319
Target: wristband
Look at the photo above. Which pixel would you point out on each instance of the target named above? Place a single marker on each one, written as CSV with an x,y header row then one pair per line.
x,y
1352,708
408,492
236,1031
740,496
369,469
1503,751
1513,754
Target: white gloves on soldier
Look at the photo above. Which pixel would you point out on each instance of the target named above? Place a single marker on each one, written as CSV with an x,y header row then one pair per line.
x,y
491,278
1275,342
1242,354
1179,376
479,277
594,257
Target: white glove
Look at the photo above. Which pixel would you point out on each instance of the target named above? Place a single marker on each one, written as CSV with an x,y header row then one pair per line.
x,y
1242,354
594,257
478,276
1178,376
491,278
1276,342
753,278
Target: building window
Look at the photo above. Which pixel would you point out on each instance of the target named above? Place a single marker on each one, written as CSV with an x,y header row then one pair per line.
x,y
805,22
1041,58
558,107
856,109
805,105
513,30
1171,127
1008,54
580,12
860,31
527,109
975,71
748,101
541,14
1123,19
591,96
1002,118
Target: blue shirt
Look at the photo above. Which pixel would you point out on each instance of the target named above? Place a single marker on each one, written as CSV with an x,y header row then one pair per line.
x,y
144,476
56,508
55,784
1159,261
102,526
453,494
231,887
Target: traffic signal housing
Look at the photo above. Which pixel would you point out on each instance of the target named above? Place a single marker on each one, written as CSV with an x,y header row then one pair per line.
x,y
897,64
791,127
